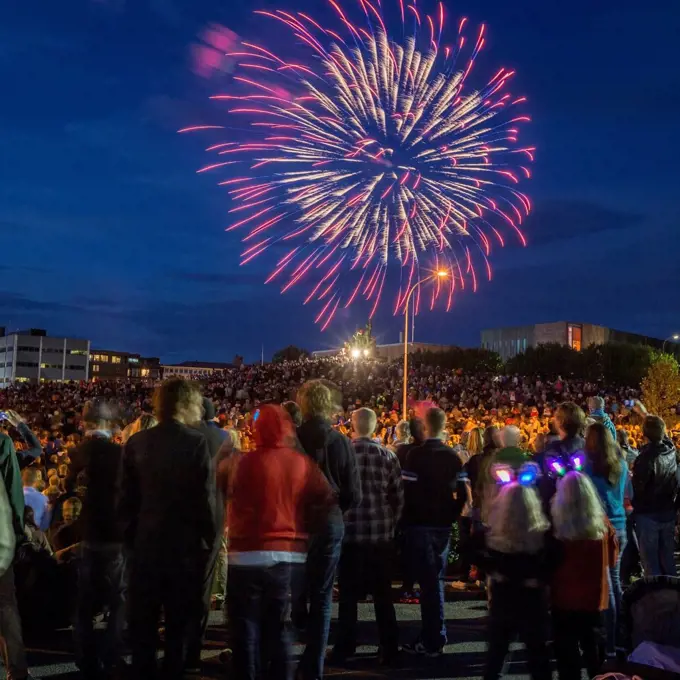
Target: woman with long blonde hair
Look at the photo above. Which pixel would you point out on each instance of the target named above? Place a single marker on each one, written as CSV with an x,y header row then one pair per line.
x,y
587,547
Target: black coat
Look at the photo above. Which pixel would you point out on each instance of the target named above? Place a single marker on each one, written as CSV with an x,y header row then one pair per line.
x,y
656,479
334,454
168,492
100,459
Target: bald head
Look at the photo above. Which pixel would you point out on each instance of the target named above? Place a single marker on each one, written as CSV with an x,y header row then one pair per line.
x,y
511,436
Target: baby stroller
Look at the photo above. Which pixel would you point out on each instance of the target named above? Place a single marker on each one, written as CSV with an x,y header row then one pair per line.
x,y
651,629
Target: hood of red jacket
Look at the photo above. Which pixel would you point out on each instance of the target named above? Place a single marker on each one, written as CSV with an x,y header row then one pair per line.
x,y
273,428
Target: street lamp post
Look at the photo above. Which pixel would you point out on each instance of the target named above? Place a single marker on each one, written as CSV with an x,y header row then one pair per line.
x,y
441,274
674,337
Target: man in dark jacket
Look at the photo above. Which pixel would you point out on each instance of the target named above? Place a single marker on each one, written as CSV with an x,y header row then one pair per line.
x,y
435,493
167,505
101,569
656,485
334,454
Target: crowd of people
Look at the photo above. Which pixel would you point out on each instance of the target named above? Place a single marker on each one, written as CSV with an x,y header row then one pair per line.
x,y
260,487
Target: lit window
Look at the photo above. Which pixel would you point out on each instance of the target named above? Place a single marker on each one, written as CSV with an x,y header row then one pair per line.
x,y
575,337
145,373
95,368
115,360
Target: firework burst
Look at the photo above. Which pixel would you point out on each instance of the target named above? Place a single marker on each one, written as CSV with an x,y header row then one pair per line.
x,y
382,158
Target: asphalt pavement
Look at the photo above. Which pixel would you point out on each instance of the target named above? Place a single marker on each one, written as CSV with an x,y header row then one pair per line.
x,y
463,657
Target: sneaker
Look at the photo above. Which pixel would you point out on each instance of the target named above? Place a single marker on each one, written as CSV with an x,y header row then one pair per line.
x,y
420,649
458,585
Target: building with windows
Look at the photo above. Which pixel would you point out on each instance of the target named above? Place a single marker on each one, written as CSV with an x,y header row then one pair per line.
x,y
193,369
106,364
32,356
509,342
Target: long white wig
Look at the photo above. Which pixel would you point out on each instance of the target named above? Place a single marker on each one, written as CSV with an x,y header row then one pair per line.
x,y
516,521
577,510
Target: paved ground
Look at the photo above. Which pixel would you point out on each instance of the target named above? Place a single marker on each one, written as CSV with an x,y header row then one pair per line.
x,y
463,659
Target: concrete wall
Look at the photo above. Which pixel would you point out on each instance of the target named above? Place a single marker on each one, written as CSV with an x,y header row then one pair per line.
x,y
509,341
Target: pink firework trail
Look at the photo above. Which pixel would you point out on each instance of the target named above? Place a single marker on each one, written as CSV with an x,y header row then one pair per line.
x,y
374,156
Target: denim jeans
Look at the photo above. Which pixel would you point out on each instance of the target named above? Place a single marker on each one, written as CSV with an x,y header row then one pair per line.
x,y
101,583
429,548
323,558
257,602
366,568
657,544
613,613
11,641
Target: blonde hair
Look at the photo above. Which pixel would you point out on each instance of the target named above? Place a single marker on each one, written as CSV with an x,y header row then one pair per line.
x,y
517,523
364,421
577,511
145,422
475,442
315,399
403,431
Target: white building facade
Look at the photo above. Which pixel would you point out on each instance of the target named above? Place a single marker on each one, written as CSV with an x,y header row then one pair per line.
x,y
33,356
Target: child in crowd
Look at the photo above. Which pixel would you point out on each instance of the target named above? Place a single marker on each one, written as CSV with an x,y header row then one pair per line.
x,y
586,547
516,560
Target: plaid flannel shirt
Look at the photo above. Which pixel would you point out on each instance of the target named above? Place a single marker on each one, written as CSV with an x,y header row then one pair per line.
x,y
375,518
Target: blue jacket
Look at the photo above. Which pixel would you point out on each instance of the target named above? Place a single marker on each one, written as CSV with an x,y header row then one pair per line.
x,y
612,495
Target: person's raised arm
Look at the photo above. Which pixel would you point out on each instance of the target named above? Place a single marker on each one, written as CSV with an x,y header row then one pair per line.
x,y
34,448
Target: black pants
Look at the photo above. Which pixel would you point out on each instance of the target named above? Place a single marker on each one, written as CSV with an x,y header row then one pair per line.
x,y
173,584
579,640
200,626
517,612
366,568
464,534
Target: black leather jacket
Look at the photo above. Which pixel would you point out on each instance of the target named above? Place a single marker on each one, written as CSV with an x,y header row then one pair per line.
x,y
656,478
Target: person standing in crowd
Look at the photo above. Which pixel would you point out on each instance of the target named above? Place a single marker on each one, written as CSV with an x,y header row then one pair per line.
x,y
367,553
218,447
417,438
334,454
514,554
656,489
101,568
402,436
608,471
597,413
435,493
570,423
276,494
11,639
168,494
475,449
34,498
586,548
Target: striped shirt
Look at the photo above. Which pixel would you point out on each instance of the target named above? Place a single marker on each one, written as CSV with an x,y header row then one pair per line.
x,y
375,518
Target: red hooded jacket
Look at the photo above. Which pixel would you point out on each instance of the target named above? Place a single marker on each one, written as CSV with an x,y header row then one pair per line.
x,y
277,491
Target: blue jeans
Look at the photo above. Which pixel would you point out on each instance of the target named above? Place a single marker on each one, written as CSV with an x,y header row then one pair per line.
x,y
101,583
657,543
429,548
613,614
323,557
257,602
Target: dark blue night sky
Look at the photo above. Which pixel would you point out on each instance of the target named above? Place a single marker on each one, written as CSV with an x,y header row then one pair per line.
x,y
108,233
